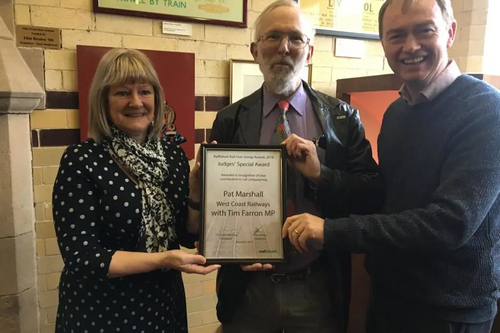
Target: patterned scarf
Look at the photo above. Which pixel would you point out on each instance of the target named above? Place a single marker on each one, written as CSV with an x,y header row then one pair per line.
x,y
148,163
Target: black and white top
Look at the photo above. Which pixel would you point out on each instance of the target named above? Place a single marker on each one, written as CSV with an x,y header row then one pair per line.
x,y
97,211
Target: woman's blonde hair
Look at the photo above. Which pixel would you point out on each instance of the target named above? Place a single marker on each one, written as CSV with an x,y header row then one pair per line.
x,y
117,67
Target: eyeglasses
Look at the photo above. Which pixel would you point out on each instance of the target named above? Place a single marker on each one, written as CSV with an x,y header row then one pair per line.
x,y
295,40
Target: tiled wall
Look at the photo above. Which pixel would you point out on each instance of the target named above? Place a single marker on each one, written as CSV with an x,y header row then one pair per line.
x,y
56,126
492,48
468,49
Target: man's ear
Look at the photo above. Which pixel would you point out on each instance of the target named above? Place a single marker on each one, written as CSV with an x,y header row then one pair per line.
x,y
452,33
254,50
310,53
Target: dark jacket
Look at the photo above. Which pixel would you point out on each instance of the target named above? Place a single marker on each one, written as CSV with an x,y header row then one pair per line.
x,y
350,185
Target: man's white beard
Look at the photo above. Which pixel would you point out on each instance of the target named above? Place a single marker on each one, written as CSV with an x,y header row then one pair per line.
x,y
285,82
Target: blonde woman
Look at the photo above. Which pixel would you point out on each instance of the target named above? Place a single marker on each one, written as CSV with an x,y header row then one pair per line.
x,y
123,204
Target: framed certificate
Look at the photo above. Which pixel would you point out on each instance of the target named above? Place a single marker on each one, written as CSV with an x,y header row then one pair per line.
x,y
242,203
245,77
221,12
343,18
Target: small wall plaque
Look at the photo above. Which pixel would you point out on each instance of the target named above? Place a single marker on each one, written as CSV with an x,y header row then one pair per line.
x,y
47,38
177,28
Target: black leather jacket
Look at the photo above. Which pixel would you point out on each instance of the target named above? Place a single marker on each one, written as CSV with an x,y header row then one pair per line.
x,y
350,185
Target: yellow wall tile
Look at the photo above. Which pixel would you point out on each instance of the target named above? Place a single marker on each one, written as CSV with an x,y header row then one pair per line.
x,y
60,59
48,298
73,118
45,230
477,32
212,86
239,52
463,18
50,264
43,317
209,287
211,328
204,119
53,3
78,4
57,17
326,59
125,25
43,193
191,278
70,81
22,14
47,211
476,48
194,289
49,328
39,214
373,48
53,80
195,319
51,248
42,282
148,43
53,280
71,38
47,156
199,68
338,74
204,50
252,16
457,5
40,248
481,4
49,119
474,64
49,174
321,74
221,34
217,69
37,176
201,303
210,316
323,43
51,314
459,48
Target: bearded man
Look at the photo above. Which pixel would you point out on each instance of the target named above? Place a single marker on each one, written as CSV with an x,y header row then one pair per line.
x,y
310,291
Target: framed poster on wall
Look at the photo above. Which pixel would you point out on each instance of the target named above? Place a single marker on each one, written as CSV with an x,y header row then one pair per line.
x,y
220,12
343,18
245,77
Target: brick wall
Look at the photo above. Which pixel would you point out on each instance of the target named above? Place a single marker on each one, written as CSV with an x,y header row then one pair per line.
x,y
468,49
492,48
57,125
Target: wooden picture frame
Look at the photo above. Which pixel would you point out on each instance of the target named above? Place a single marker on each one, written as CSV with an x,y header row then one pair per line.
x,y
228,13
356,19
245,77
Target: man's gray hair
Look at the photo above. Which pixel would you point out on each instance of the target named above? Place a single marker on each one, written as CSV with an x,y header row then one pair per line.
x,y
444,5
309,31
